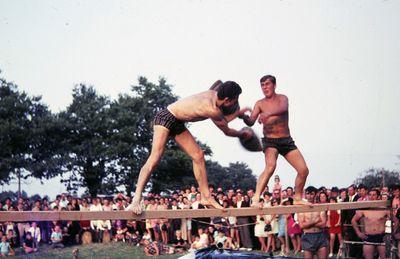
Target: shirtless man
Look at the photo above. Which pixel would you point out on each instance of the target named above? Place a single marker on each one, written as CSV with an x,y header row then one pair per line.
x,y
374,227
272,112
170,122
314,239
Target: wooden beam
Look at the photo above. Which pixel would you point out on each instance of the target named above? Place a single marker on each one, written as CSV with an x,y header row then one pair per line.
x,y
19,216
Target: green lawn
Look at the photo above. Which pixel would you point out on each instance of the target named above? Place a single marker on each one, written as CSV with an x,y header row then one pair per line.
x,y
111,250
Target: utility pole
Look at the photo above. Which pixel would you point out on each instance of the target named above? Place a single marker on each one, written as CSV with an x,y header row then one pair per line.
x,y
19,183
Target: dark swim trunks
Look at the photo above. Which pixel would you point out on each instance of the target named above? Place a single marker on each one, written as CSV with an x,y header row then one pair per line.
x,y
379,238
166,119
314,241
283,145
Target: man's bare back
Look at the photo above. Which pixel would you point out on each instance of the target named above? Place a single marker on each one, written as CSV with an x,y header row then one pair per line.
x,y
170,122
205,107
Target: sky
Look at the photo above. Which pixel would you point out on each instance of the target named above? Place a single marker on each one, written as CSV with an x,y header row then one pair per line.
x,y
337,61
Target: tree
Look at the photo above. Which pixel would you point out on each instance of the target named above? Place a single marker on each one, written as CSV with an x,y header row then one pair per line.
x,y
236,175
132,137
374,177
25,124
86,139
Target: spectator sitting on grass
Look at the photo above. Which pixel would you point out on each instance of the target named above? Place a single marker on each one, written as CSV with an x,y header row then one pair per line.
x,y
133,232
29,244
5,247
151,248
11,238
179,243
57,238
197,244
120,235
146,236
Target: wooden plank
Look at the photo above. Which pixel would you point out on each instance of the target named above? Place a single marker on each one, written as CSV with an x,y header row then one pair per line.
x,y
18,216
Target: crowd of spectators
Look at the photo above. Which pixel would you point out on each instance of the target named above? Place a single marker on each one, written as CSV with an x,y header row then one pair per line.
x,y
279,234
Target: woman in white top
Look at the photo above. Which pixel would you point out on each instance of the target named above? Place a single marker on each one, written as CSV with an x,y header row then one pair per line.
x,y
259,230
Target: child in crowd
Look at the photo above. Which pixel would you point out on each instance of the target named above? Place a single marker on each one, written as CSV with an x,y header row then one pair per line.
x,y
197,244
146,236
179,243
5,247
57,238
11,238
277,184
120,235
29,244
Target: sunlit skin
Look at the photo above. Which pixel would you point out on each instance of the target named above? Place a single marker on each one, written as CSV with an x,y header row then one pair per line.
x,y
272,112
313,222
374,224
198,107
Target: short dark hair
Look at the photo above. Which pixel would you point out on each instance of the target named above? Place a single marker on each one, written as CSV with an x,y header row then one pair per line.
x,y
375,190
311,189
362,186
270,77
229,89
335,189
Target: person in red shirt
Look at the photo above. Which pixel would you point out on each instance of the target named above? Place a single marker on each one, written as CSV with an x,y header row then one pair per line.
x,y
334,227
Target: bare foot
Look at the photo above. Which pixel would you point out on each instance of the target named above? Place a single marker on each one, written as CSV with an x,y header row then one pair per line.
x,y
211,202
137,207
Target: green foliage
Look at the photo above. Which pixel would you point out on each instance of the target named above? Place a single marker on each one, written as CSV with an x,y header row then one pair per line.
x,y
97,143
25,126
374,177
86,140
236,175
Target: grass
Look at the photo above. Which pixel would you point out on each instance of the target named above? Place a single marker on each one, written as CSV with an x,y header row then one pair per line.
x,y
110,250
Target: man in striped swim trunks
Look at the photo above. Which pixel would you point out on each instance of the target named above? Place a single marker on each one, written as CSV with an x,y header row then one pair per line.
x,y
170,122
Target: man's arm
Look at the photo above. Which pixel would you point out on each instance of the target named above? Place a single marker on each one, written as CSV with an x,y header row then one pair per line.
x,y
354,223
281,106
322,220
237,114
250,120
303,223
222,124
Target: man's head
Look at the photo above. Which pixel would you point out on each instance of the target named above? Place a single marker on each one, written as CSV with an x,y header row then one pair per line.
x,y
268,84
229,92
351,190
374,194
362,190
289,191
311,191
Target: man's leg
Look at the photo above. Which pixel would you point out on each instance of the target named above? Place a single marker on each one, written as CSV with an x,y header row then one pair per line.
x,y
382,252
295,159
188,144
368,251
322,253
271,155
160,138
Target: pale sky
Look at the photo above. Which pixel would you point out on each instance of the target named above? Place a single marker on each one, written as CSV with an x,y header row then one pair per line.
x,y
335,60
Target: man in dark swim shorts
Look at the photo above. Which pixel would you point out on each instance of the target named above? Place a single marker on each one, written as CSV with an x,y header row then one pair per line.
x,y
170,122
314,240
374,227
273,113
166,119
283,145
